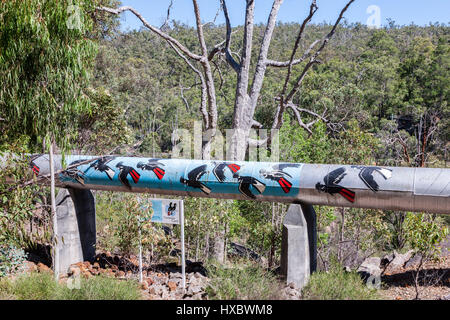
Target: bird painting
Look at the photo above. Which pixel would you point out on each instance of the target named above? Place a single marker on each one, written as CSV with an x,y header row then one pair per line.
x,y
366,175
277,174
332,187
33,165
193,179
219,170
153,165
124,171
244,185
101,165
73,172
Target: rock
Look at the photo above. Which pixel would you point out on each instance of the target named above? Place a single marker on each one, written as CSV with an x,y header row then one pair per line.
x,y
172,285
152,290
447,297
192,290
95,272
73,271
398,261
143,285
370,267
414,261
176,275
86,274
292,285
29,266
43,268
387,259
347,269
165,295
120,274
197,296
157,289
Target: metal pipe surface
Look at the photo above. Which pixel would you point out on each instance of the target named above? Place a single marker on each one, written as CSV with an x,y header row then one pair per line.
x,y
393,188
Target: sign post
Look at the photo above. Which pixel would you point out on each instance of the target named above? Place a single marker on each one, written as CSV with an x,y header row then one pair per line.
x,y
169,211
183,262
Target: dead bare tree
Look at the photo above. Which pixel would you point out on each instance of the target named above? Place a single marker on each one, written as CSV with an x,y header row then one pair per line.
x,y
248,87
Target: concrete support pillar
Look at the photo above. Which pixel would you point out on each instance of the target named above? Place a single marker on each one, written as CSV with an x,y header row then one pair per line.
x,y
75,213
298,251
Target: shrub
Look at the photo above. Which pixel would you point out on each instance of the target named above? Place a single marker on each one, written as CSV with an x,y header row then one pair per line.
x,y
101,288
118,218
42,286
34,286
337,285
242,281
11,259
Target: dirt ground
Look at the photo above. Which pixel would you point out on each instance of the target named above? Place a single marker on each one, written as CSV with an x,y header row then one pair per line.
x,y
434,280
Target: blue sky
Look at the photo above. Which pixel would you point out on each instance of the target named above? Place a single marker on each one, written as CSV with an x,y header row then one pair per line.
x,y
420,12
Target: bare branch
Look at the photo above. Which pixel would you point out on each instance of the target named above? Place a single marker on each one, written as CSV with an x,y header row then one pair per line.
x,y
168,15
283,64
257,143
186,103
261,65
299,118
284,100
209,79
215,17
312,10
256,124
220,74
316,54
318,116
204,89
233,63
162,34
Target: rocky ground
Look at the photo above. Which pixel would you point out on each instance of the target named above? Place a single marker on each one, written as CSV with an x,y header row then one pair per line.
x,y
160,282
397,273
394,273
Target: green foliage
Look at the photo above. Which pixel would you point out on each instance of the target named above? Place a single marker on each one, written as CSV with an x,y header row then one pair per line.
x,y
17,202
242,281
337,285
101,288
11,259
297,146
33,286
44,67
103,126
42,286
355,145
119,217
424,232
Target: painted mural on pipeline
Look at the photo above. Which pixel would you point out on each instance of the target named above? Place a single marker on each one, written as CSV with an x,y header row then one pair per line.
x,y
250,179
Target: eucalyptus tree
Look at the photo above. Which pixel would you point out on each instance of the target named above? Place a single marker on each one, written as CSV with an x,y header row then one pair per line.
x,y
249,74
249,83
46,52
